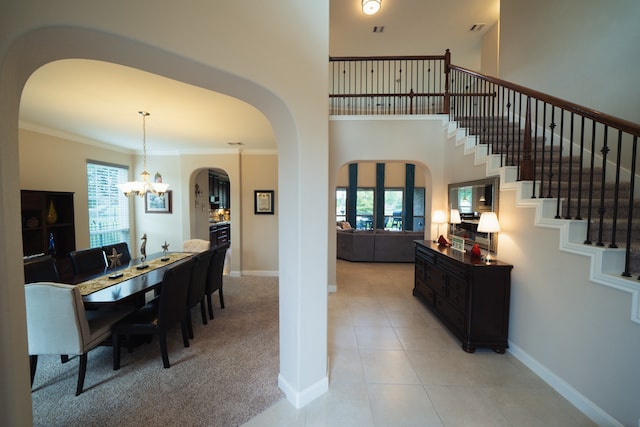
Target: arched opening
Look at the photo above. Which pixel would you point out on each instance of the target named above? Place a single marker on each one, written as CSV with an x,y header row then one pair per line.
x,y
42,46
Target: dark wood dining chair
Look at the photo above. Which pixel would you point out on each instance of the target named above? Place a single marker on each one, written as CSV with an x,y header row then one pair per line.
x,y
159,315
197,287
41,269
88,261
214,276
57,323
121,248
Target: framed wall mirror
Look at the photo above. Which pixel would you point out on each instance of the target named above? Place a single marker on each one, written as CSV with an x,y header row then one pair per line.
x,y
471,199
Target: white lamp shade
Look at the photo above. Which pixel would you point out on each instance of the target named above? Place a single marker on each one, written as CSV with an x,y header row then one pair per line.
x,y
160,188
455,217
488,223
439,217
371,7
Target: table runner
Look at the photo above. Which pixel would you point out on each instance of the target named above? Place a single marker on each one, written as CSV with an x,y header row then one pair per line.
x,y
94,285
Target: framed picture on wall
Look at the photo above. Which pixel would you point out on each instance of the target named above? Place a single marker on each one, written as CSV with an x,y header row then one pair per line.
x,y
263,202
157,204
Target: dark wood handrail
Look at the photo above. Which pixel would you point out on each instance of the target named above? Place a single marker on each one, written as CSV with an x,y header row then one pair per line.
x,y
597,116
386,58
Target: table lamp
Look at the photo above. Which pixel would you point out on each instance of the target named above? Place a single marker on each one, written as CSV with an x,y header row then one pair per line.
x,y
439,217
454,218
489,224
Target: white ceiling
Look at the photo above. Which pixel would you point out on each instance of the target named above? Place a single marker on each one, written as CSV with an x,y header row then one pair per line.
x,y
97,101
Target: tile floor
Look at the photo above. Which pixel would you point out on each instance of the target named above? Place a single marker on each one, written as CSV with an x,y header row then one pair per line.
x,y
392,363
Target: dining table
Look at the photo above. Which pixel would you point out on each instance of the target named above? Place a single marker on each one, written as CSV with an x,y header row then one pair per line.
x,y
127,283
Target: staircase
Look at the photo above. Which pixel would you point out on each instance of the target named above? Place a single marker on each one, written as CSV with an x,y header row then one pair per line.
x,y
566,197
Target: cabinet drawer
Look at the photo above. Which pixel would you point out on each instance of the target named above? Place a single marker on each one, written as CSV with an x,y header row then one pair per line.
x,y
419,269
425,292
436,278
451,315
457,291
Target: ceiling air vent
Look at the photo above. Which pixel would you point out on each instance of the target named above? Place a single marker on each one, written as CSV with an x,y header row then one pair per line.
x,y
477,27
378,28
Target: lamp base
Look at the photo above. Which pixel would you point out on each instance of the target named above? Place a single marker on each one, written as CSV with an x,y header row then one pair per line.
x,y
489,259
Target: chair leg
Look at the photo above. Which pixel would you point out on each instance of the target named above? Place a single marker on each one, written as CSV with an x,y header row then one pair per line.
x,y
162,338
33,364
185,333
82,373
116,352
203,312
189,324
221,297
210,306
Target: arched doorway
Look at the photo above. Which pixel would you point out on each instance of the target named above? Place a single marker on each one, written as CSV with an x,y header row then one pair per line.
x,y
299,373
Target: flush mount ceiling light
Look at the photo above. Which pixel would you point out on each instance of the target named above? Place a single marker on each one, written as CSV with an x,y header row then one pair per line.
x,y
371,7
139,188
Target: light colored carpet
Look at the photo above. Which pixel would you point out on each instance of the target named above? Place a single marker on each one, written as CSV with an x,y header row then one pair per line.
x,y
227,376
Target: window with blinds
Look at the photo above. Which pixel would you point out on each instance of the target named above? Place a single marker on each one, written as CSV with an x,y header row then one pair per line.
x,y
108,208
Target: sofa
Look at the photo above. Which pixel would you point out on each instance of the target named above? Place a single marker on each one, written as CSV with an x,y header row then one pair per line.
x,y
377,245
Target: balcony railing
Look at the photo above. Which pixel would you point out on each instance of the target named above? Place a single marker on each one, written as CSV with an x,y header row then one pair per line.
x,y
584,159
388,85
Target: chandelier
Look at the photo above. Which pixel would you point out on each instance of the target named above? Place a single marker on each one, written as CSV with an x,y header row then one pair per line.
x,y
140,188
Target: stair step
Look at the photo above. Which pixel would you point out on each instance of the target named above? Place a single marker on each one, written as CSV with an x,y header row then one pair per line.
x,y
507,139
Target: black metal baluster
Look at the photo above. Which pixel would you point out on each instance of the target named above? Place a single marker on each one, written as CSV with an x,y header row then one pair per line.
x,y
616,193
568,212
534,123
561,139
590,204
552,127
580,169
602,210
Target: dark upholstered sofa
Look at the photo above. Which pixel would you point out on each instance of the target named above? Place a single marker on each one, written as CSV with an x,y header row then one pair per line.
x,y
377,245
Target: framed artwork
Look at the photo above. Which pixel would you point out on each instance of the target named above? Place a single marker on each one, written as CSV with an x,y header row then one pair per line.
x,y
263,202
157,204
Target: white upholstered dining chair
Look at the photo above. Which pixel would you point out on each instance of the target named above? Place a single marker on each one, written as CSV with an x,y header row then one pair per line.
x,y
58,324
195,245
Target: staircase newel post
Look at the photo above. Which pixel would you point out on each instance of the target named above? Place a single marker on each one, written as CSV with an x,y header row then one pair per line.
x,y
526,166
447,95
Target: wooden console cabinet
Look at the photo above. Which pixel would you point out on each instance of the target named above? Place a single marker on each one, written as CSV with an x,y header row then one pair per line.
x,y
469,296
219,233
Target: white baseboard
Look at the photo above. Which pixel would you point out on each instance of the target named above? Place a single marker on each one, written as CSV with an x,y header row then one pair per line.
x,y
586,406
300,399
265,273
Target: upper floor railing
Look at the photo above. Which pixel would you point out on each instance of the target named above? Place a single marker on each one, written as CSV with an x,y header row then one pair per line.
x,y
388,85
584,159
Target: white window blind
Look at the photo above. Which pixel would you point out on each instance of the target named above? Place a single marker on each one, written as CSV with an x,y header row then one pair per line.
x,y
108,208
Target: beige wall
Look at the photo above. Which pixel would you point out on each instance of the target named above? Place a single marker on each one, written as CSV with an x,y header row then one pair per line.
x,y
490,51
41,157
394,175
259,232
59,164
585,51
